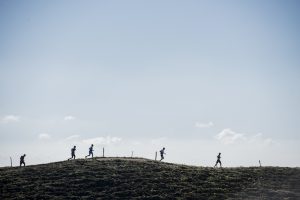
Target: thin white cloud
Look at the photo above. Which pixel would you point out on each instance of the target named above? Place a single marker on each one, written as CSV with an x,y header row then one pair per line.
x,y
72,137
136,142
227,136
69,118
44,136
269,141
259,138
103,140
10,118
159,141
204,125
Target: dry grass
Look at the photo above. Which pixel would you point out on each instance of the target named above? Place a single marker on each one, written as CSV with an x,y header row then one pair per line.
x,y
137,178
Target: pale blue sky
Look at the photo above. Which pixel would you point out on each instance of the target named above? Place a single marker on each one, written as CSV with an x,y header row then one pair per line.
x,y
149,70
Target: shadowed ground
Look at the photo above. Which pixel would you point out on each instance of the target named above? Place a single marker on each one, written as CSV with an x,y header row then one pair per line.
x,y
137,178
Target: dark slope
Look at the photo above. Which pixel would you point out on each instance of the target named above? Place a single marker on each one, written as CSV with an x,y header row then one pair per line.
x,y
127,178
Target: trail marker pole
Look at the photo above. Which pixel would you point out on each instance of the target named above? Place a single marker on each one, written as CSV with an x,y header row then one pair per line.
x,y
155,155
10,162
103,152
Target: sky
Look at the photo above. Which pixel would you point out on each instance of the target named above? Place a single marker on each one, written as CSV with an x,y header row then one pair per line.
x,y
195,77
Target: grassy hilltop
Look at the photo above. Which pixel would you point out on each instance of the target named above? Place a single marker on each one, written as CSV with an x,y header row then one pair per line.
x,y
137,178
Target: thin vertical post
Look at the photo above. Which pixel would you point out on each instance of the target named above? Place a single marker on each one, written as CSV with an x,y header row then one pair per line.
x,y
103,152
131,154
155,155
10,162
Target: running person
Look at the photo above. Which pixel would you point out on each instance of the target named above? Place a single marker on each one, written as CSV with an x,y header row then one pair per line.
x,y
73,153
90,151
218,160
162,152
22,160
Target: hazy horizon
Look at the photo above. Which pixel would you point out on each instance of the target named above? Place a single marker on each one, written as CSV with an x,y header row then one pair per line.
x,y
196,77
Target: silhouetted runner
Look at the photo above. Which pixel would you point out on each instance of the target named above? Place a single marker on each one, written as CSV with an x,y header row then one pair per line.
x,y
22,160
259,163
162,152
90,151
73,153
218,161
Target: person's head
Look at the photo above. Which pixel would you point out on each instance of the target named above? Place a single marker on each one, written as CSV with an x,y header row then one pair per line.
x,y
74,147
219,153
92,145
24,155
164,148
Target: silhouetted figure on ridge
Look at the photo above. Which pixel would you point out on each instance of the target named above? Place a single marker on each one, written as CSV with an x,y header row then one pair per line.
x,y
90,151
162,152
259,163
218,160
22,160
73,153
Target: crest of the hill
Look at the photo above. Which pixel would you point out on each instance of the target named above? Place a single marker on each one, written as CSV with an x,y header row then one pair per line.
x,y
137,178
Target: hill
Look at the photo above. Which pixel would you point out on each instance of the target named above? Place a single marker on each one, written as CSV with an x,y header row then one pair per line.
x,y
137,178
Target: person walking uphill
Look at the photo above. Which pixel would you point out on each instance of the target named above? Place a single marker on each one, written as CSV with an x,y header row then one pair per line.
x,y
218,160
90,151
22,160
162,152
73,153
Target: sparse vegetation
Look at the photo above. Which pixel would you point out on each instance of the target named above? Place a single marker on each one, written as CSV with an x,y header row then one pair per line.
x,y
137,178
